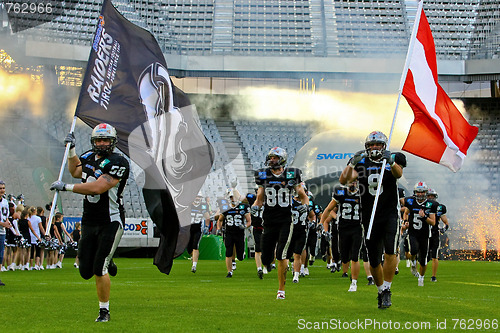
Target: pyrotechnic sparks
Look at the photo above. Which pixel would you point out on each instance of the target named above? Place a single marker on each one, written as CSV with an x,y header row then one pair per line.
x,y
481,219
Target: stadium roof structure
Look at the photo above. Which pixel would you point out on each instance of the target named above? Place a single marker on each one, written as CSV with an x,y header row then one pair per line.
x,y
272,38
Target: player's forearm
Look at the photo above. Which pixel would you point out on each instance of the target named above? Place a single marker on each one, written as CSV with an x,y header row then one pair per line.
x,y
397,170
74,167
347,175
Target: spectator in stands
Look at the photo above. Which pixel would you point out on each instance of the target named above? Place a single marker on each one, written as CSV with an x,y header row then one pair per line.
x,y
104,175
366,167
36,238
4,222
75,235
276,184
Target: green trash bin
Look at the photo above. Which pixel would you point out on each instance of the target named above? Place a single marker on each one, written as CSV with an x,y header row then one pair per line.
x,y
212,248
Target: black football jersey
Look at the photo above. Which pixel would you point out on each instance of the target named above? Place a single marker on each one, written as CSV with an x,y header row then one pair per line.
x,y
222,204
108,206
298,219
256,220
368,177
418,226
278,191
440,211
198,212
234,217
349,208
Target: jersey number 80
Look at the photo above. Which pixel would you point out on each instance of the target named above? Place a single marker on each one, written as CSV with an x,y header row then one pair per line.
x,y
280,197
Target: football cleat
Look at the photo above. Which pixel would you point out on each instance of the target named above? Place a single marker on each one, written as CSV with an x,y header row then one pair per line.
x,y
433,279
345,275
420,281
414,270
280,295
112,269
260,273
103,315
353,287
229,275
234,265
397,271
193,269
386,299
371,282
1,283
306,271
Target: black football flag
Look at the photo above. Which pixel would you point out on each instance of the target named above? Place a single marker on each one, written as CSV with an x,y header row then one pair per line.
x,y
127,85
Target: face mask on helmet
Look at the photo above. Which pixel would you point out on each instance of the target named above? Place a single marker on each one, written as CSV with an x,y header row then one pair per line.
x,y
353,187
279,160
197,200
375,144
432,194
103,131
420,191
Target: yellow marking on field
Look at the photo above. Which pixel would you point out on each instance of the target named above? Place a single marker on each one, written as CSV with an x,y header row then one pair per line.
x,y
478,284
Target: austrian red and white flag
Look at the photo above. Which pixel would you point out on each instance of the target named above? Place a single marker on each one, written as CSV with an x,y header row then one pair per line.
x,y
439,132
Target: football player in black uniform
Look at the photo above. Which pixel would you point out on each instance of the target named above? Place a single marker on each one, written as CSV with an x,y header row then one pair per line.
x,y
312,236
419,215
366,166
434,242
257,230
346,203
235,219
275,191
299,236
104,174
200,219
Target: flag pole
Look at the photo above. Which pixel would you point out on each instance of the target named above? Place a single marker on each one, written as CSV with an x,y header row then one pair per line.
x,y
61,172
401,85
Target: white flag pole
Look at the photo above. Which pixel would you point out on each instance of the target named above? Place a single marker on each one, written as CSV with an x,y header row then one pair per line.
x,y
61,172
401,85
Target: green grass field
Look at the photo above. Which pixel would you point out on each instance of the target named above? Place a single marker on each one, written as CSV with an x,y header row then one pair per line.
x,y
466,296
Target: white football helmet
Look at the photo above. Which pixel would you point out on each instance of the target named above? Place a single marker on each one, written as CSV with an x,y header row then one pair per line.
x,y
420,191
281,154
104,131
375,137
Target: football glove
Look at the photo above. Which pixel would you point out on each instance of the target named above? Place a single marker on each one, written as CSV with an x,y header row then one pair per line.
x,y
70,138
389,157
357,158
58,185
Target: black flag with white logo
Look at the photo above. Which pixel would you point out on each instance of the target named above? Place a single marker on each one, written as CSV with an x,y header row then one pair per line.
x,y
127,85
